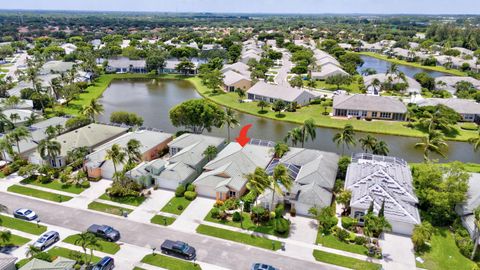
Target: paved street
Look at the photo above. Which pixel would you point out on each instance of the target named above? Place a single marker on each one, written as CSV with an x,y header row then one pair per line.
x,y
281,78
209,250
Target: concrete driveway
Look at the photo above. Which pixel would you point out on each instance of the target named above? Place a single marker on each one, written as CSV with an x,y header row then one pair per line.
x,y
210,250
398,252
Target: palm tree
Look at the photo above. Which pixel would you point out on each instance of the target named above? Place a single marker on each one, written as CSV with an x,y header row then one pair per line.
x,y
308,131
294,136
87,240
210,152
133,151
32,251
257,181
14,117
5,236
381,148
280,149
93,109
368,143
432,143
49,149
230,120
393,69
116,155
279,178
31,119
376,84
475,142
51,132
262,104
346,137
6,148
18,134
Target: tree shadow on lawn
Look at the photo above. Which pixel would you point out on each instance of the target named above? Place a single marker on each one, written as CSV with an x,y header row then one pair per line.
x,y
262,112
280,115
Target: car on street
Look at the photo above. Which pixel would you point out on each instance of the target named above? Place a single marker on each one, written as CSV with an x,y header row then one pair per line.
x,y
46,240
106,263
178,248
106,232
262,266
26,214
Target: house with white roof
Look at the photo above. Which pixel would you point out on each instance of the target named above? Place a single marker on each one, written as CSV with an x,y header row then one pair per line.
x,y
412,85
151,144
383,180
184,164
327,70
233,80
468,109
449,83
125,65
313,173
225,176
466,210
271,93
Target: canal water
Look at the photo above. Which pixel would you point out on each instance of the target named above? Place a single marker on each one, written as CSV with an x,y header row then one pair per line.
x,y
381,66
152,99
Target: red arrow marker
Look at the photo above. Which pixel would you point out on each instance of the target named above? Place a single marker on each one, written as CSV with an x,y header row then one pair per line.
x,y
242,138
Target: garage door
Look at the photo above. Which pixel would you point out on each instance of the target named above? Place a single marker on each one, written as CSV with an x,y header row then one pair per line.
x,y
402,228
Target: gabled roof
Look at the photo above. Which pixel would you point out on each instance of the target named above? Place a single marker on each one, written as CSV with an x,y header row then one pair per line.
x,y
369,103
285,93
239,67
56,67
413,85
192,147
462,106
383,179
6,261
473,196
232,77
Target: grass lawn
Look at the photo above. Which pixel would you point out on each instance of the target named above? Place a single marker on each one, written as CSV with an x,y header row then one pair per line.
x,y
354,87
16,240
133,201
469,167
333,242
107,247
2,175
161,220
414,64
344,261
22,225
315,112
169,263
38,193
247,225
110,209
444,254
239,237
56,185
172,205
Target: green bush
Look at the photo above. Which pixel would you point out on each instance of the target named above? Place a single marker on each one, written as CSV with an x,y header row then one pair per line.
x,y
44,257
180,191
231,204
85,184
282,226
348,223
190,195
360,240
236,216
180,207
191,187
343,235
469,126
215,213
279,210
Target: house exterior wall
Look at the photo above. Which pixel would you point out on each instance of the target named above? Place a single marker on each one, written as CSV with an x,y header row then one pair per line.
x,y
206,191
153,152
94,172
369,114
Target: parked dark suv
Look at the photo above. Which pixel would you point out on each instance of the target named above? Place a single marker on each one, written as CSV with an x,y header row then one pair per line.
x,y
106,263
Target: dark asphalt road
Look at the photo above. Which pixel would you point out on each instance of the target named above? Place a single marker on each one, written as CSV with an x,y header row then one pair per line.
x,y
214,251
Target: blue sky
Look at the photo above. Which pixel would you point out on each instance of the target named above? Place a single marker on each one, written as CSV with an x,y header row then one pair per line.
x,y
257,6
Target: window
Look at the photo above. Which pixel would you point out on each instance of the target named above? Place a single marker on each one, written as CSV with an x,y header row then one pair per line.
x,y
364,113
385,115
353,112
374,114
232,193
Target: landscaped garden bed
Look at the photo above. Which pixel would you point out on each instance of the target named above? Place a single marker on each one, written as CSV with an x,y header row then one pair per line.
x,y
130,200
184,195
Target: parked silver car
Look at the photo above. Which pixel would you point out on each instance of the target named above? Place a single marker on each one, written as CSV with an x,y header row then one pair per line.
x,y
47,240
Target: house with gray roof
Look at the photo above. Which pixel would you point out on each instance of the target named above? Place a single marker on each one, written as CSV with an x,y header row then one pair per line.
x,y
225,176
56,67
313,173
412,85
238,67
468,109
466,209
59,263
7,262
383,180
151,144
369,107
327,70
125,65
37,131
90,136
184,164
271,93
233,80
449,83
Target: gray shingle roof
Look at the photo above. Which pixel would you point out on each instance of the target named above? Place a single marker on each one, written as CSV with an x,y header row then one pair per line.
x,y
232,77
462,106
285,93
369,103
413,85
376,178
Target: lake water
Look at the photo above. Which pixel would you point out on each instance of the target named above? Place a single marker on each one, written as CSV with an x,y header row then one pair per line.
x,y
381,66
153,99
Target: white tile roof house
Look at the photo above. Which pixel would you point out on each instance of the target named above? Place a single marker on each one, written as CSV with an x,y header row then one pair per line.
x,y
383,179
